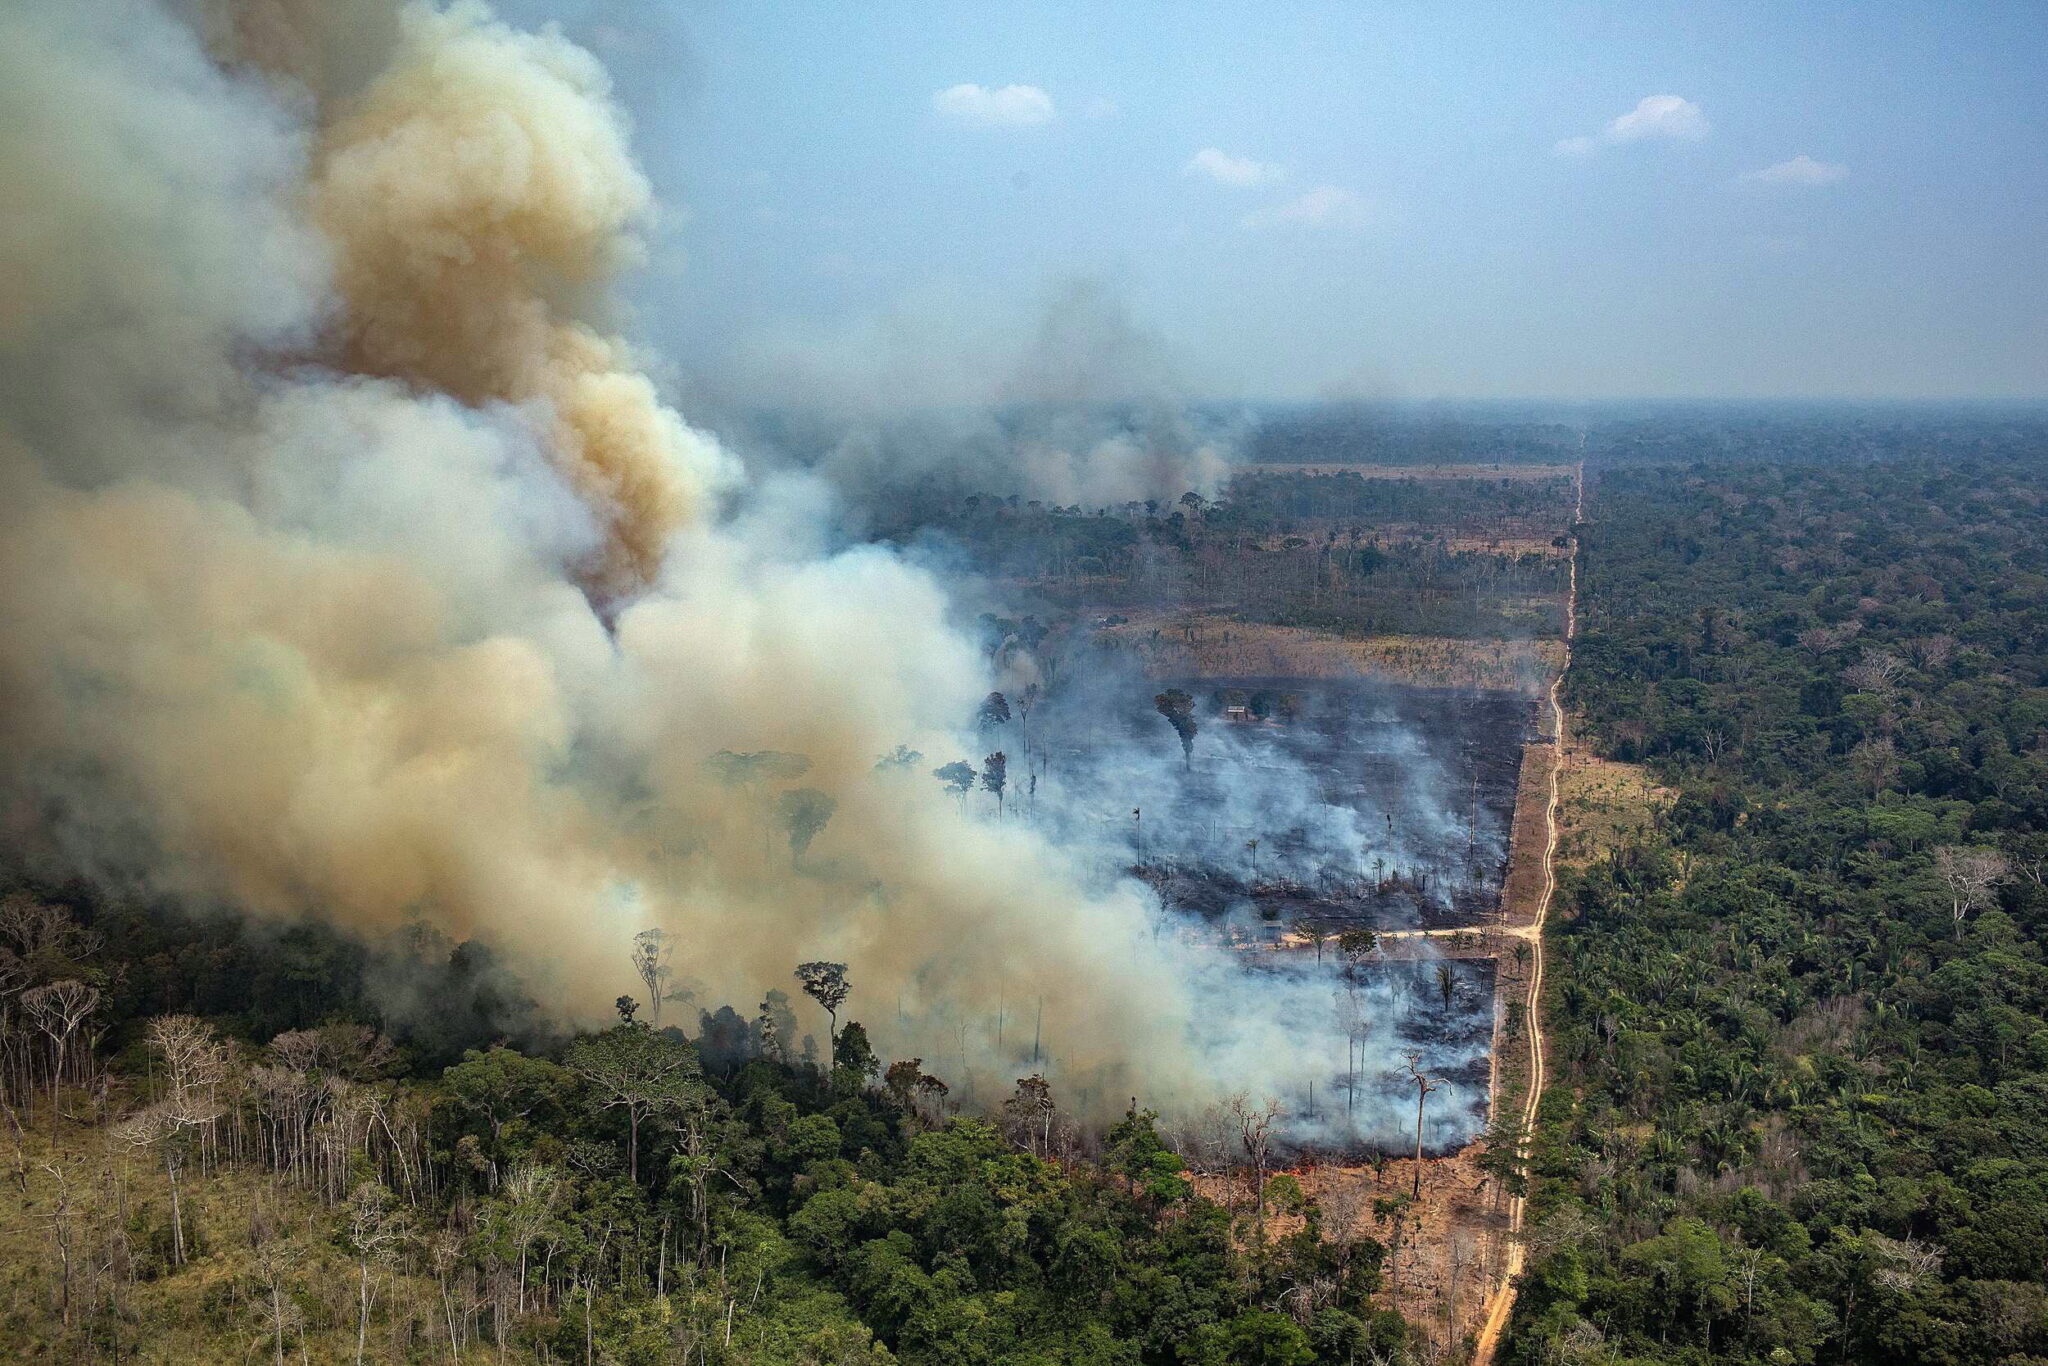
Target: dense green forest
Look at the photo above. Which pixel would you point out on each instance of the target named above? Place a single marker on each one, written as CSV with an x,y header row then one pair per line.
x,y
1799,1108
229,1141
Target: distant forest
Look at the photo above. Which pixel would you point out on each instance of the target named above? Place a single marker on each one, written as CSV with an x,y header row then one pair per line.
x,y
1639,433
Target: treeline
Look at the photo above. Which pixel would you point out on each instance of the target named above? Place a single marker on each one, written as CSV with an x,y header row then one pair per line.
x,y
1800,1030
1259,498
190,1189
1383,434
1836,434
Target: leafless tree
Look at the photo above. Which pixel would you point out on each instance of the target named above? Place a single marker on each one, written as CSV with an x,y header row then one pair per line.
x,y
1462,1257
1026,700
1716,743
275,1256
1749,1267
1877,672
532,1192
2030,859
1351,1013
58,1009
39,941
1931,652
1255,1120
375,1227
1823,639
1424,1086
651,950
195,1064
61,1215
1970,873
1032,1110
1903,1264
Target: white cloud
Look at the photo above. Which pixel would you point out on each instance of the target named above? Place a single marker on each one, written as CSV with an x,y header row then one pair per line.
x,y
1326,206
1800,170
1655,116
1238,172
1013,106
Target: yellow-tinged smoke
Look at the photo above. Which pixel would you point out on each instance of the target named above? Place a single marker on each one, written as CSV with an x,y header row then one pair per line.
x,y
479,195
312,461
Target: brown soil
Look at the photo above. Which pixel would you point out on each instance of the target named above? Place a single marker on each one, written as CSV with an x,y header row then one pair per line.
x,y
1446,1257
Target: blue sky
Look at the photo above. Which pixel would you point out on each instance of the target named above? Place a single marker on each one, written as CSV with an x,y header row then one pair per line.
x,y
1393,203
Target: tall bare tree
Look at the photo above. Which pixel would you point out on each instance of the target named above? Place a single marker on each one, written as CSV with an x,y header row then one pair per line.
x,y
195,1067
58,1009
1255,1120
651,950
1970,873
1026,700
1425,1086
375,1228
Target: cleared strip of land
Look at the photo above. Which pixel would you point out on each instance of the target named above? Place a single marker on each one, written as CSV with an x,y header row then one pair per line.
x,y
1501,470
1191,644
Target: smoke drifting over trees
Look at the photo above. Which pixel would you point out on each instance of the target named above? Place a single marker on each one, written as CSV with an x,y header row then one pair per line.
x,y
1088,412
353,569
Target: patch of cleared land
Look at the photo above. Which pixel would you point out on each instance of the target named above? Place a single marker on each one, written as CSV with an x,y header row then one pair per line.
x,y
1514,537
1189,644
1602,805
1444,1251
1522,473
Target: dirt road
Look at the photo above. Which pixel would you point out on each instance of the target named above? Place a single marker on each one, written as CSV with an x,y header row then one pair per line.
x,y
1503,1298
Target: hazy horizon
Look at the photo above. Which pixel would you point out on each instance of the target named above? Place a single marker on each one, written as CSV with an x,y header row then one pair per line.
x,y
1664,202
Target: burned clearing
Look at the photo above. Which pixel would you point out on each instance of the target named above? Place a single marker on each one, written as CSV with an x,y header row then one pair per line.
x,y
1296,801
1397,1020
1279,812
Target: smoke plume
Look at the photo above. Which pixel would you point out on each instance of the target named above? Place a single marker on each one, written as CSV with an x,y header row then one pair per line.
x,y
1085,410
350,567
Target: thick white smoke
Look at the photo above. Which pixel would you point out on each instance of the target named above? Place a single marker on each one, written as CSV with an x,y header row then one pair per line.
x,y
349,568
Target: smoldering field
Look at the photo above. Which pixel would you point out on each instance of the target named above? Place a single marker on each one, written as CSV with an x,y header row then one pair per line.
x,y
351,566
1339,804
1346,802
